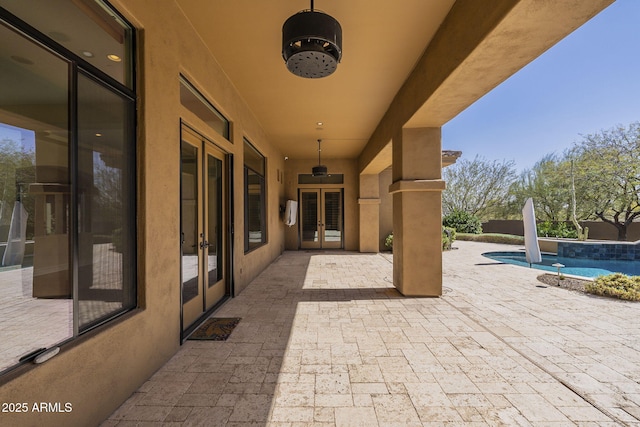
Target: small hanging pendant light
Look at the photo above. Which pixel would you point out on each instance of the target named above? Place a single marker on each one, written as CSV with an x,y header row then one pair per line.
x,y
320,170
311,44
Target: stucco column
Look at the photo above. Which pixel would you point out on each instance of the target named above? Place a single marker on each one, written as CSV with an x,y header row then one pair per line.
x,y
369,202
417,212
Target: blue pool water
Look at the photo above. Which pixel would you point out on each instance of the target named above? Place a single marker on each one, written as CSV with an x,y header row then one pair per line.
x,y
575,266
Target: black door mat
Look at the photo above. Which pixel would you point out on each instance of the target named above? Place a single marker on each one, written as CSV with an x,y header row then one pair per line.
x,y
215,329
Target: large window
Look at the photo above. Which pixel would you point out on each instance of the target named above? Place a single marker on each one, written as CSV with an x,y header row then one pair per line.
x,y
67,173
255,221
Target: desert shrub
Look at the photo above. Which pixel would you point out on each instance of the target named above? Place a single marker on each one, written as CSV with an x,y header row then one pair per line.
x,y
448,237
388,241
616,285
556,229
507,239
463,222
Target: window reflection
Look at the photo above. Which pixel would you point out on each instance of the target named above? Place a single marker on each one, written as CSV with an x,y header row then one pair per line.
x,y
103,220
255,224
35,299
198,105
46,213
85,27
214,221
189,215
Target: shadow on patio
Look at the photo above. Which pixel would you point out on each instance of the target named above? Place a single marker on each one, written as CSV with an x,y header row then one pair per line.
x,y
325,339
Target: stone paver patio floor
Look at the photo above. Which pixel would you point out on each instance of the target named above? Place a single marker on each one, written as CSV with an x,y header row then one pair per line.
x,y
326,340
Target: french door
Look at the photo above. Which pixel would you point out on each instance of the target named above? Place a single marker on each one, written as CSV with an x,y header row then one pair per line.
x,y
321,219
203,223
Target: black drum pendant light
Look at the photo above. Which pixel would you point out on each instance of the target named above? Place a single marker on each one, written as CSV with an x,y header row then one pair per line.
x,y
320,170
311,44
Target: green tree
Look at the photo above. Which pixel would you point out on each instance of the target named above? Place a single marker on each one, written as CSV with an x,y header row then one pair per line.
x,y
16,172
548,182
478,187
607,169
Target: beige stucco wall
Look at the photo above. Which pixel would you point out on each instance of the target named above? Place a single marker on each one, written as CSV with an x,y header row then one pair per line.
x,y
547,245
346,167
386,207
103,368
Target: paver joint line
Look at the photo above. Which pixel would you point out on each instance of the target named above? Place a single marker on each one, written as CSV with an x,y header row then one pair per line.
x,y
541,367
326,340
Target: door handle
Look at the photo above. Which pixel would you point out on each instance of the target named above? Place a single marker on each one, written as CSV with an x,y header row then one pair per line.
x,y
204,244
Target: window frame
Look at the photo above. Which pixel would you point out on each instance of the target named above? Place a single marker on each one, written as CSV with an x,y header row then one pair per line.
x,y
190,87
77,67
129,239
248,246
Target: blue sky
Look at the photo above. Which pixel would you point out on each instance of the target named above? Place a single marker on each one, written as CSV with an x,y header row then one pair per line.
x,y
588,82
23,137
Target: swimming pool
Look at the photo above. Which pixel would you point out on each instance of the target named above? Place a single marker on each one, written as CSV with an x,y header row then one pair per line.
x,y
574,266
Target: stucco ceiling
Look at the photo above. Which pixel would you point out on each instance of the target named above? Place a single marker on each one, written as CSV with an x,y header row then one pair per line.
x,y
382,42
411,63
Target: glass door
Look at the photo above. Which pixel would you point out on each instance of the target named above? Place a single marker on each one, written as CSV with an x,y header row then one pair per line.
x,y
332,218
321,219
203,207
213,242
310,219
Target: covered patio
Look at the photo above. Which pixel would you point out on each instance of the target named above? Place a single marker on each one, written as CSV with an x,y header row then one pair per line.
x,y
212,137
325,339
